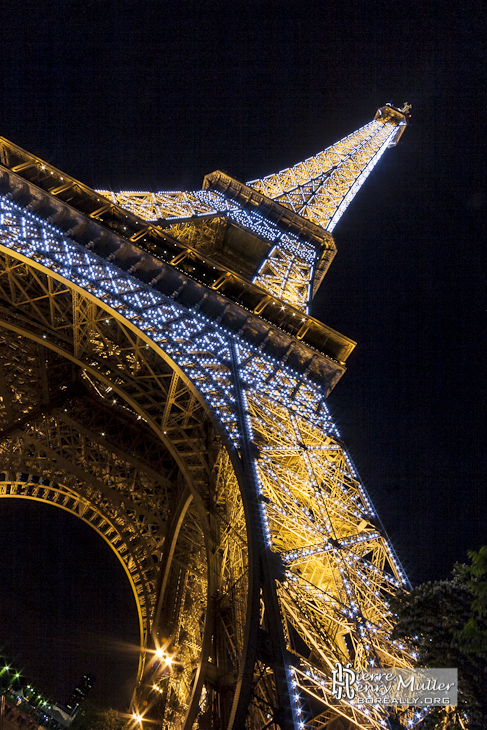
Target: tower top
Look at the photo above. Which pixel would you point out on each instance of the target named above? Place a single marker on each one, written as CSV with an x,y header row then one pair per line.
x,y
321,187
393,115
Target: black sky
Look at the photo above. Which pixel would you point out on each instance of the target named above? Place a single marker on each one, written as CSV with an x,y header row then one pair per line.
x,y
154,95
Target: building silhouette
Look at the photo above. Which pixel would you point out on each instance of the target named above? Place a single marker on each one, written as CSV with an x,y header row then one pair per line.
x,y
78,695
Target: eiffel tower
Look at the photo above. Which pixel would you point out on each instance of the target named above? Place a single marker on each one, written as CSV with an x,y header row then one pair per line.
x,y
162,380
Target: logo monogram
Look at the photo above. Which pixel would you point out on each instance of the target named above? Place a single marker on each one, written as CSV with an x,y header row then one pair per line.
x,y
342,680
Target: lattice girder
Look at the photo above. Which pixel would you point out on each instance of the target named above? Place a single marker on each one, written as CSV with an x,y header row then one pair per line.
x,y
204,231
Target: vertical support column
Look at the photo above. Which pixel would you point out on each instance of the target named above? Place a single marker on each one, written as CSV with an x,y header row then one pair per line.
x,y
262,570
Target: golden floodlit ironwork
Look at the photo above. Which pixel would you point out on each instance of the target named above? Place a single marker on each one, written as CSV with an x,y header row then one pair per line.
x,y
162,380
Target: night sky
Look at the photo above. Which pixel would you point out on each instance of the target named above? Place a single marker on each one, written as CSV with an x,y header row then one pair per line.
x,y
154,95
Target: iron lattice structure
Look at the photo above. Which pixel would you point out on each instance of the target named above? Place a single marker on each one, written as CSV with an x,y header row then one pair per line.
x,y
162,380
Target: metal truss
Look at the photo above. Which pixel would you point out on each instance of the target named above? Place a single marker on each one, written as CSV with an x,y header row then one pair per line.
x,y
287,271
194,436
168,205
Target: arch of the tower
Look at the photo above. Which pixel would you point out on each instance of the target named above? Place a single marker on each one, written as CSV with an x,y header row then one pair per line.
x,y
99,421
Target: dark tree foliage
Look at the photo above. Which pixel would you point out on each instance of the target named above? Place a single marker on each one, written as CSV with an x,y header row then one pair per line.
x,y
446,623
90,718
110,720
